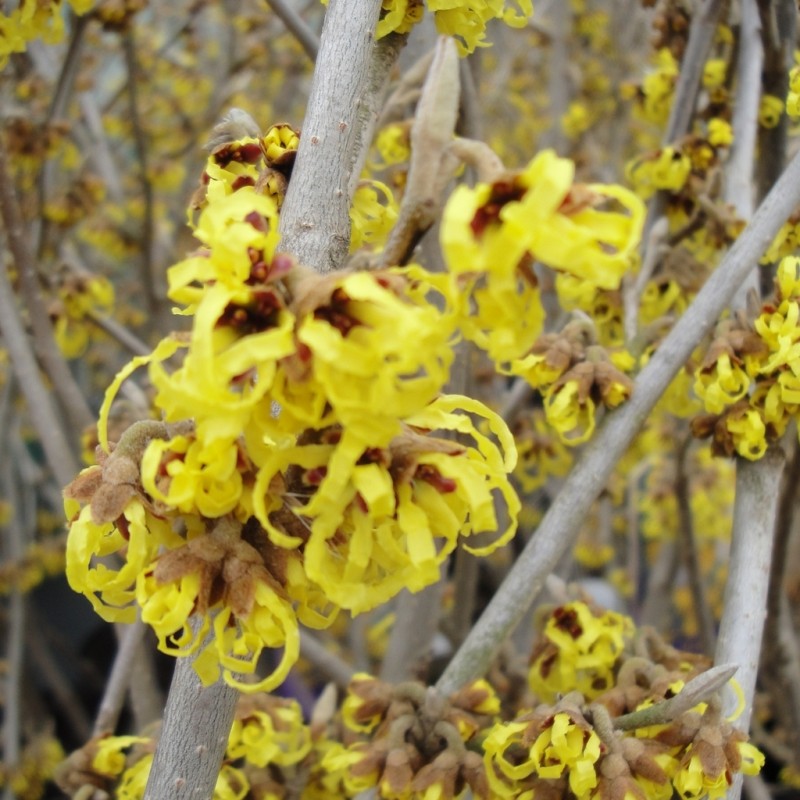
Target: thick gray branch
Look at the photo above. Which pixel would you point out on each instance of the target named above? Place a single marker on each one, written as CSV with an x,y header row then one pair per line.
x,y
345,96
197,722
745,602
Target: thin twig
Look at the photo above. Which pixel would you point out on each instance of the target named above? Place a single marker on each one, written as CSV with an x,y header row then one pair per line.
x,y
59,689
328,663
561,523
129,340
779,670
465,586
15,643
54,364
58,106
778,30
558,84
296,26
416,623
739,190
43,414
118,681
147,277
688,543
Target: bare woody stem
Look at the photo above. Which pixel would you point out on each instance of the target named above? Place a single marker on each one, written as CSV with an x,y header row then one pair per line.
x,y
197,721
346,93
559,527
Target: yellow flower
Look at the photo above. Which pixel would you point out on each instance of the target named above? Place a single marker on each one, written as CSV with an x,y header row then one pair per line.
x,y
109,758
562,748
714,73
569,413
580,652
788,278
720,132
279,142
79,295
393,144
658,88
748,433
566,746
199,478
399,16
375,349
541,454
668,169
770,111
694,780
232,784
381,519
576,120
273,736
134,780
371,219
466,19
722,384
490,234
136,535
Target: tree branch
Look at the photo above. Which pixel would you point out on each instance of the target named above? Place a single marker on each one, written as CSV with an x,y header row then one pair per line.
x,y
745,600
346,94
296,26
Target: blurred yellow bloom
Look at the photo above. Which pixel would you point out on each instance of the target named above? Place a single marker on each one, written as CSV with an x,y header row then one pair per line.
x,y
371,219
466,19
720,132
275,736
668,169
721,385
770,111
714,73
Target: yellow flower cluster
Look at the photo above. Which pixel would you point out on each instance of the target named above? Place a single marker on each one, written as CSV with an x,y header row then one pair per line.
x,y
654,97
36,765
411,746
749,381
578,651
298,470
80,296
575,377
571,748
34,19
565,750
267,743
492,235
465,20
